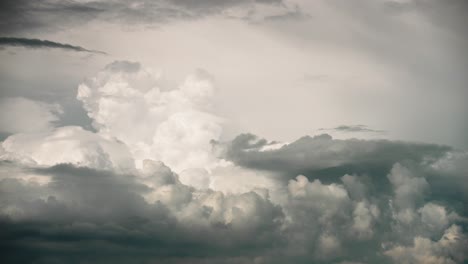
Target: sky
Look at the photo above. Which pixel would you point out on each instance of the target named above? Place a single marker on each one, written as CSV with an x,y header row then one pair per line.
x,y
224,131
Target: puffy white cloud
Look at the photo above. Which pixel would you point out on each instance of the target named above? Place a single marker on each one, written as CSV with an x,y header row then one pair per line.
x,y
364,216
132,103
230,178
329,246
449,249
18,114
69,144
434,216
409,192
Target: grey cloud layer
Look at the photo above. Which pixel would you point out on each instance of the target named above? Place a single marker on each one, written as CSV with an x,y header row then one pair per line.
x,y
38,44
327,159
17,16
98,216
411,210
323,155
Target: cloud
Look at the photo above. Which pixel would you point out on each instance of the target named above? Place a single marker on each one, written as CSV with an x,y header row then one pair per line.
x,y
70,144
325,157
354,128
41,44
18,114
171,124
154,183
447,250
18,16
150,214
100,211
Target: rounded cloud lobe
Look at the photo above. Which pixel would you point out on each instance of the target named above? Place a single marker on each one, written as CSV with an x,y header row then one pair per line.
x,y
154,184
130,103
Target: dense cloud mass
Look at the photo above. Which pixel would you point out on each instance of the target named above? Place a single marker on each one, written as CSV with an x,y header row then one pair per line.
x,y
155,184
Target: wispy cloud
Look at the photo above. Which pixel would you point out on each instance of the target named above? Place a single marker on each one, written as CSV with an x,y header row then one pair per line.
x,y
354,128
38,44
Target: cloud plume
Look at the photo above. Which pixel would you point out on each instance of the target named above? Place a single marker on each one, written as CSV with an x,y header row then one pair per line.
x,y
43,44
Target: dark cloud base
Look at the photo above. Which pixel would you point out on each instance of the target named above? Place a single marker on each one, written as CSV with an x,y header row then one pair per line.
x,y
361,202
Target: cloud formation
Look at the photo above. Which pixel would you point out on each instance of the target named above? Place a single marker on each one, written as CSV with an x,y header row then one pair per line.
x,y
41,44
322,156
151,215
154,183
170,124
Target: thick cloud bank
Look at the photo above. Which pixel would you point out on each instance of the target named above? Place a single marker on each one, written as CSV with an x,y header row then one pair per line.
x,y
154,184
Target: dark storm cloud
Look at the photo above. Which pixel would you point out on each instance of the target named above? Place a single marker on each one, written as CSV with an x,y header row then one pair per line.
x,y
324,156
19,16
88,215
98,216
40,44
408,183
327,160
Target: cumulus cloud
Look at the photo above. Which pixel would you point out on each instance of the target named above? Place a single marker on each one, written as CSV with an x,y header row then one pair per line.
x,y
154,183
101,211
150,214
447,250
70,144
171,125
19,114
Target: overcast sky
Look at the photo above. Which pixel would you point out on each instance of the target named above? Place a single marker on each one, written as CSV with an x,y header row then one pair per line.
x,y
248,131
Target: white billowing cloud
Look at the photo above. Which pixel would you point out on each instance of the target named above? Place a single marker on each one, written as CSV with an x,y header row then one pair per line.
x,y
301,187
68,144
449,249
18,114
201,208
364,212
364,215
409,192
314,211
131,103
196,177
328,246
183,140
229,178
139,119
434,216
